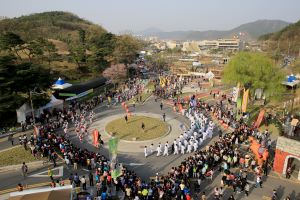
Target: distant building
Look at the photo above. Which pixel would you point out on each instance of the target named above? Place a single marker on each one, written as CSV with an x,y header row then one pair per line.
x,y
173,44
192,46
228,44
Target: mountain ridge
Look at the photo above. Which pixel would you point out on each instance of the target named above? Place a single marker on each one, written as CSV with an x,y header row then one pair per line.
x,y
250,31
52,25
286,40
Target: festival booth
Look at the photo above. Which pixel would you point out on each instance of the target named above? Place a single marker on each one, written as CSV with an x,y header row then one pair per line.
x,y
291,81
53,104
60,84
23,112
77,91
209,75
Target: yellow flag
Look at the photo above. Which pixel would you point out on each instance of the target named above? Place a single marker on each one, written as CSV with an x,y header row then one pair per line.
x,y
245,100
160,80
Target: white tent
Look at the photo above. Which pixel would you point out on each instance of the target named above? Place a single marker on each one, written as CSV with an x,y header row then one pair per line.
x,y
22,112
209,75
25,109
54,103
197,64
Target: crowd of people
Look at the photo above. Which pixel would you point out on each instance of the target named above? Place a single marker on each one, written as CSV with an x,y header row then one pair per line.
x,y
223,156
190,140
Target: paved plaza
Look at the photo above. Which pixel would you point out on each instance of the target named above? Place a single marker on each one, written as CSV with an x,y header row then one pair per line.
x,y
130,154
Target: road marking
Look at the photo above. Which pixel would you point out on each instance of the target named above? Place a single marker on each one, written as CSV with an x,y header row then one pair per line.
x,y
67,182
133,164
42,174
252,182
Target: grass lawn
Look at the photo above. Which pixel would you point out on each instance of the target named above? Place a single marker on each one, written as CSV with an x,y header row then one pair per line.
x,y
133,129
272,128
15,156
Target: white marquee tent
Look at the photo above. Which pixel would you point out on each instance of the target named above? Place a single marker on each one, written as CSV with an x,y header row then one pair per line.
x,y
22,112
25,109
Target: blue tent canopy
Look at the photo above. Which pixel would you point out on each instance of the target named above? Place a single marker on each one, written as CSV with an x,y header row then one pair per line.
x,y
59,82
291,78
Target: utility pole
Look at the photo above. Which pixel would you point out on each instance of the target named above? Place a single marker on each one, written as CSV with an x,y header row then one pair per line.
x,y
32,111
31,103
294,92
289,48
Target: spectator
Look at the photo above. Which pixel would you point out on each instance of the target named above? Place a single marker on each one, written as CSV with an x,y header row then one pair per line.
x,y
24,169
83,182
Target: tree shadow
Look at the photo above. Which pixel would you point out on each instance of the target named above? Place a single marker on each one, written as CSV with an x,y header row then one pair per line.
x,y
293,195
280,191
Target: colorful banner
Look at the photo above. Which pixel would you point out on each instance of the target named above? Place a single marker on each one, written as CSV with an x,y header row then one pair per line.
x,y
235,93
116,173
245,101
113,146
95,136
238,106
239,103
80,95
259,118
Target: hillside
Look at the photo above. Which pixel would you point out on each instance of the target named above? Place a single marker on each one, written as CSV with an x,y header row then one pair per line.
x,y
251,31
67,45
287,39
52,25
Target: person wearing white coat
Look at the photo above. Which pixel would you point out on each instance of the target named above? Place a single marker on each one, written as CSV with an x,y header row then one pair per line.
x,y
182,148
158,149
166,150
175,149
146,151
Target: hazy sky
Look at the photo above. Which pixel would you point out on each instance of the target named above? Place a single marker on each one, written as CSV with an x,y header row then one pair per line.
x,y
167,15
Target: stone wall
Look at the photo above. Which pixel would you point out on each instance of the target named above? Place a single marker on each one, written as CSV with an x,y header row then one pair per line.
x,y
288,145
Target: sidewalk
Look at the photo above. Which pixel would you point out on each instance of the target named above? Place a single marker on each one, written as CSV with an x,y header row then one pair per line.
x,y
5,144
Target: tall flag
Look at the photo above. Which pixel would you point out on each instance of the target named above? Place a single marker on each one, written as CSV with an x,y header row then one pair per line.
x,y
95,136
116,173
113,150
245,100
238,106
259,118
235,92
113,146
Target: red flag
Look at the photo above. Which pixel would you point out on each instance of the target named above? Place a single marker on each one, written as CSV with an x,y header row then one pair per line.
x,y
259,118
95,136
